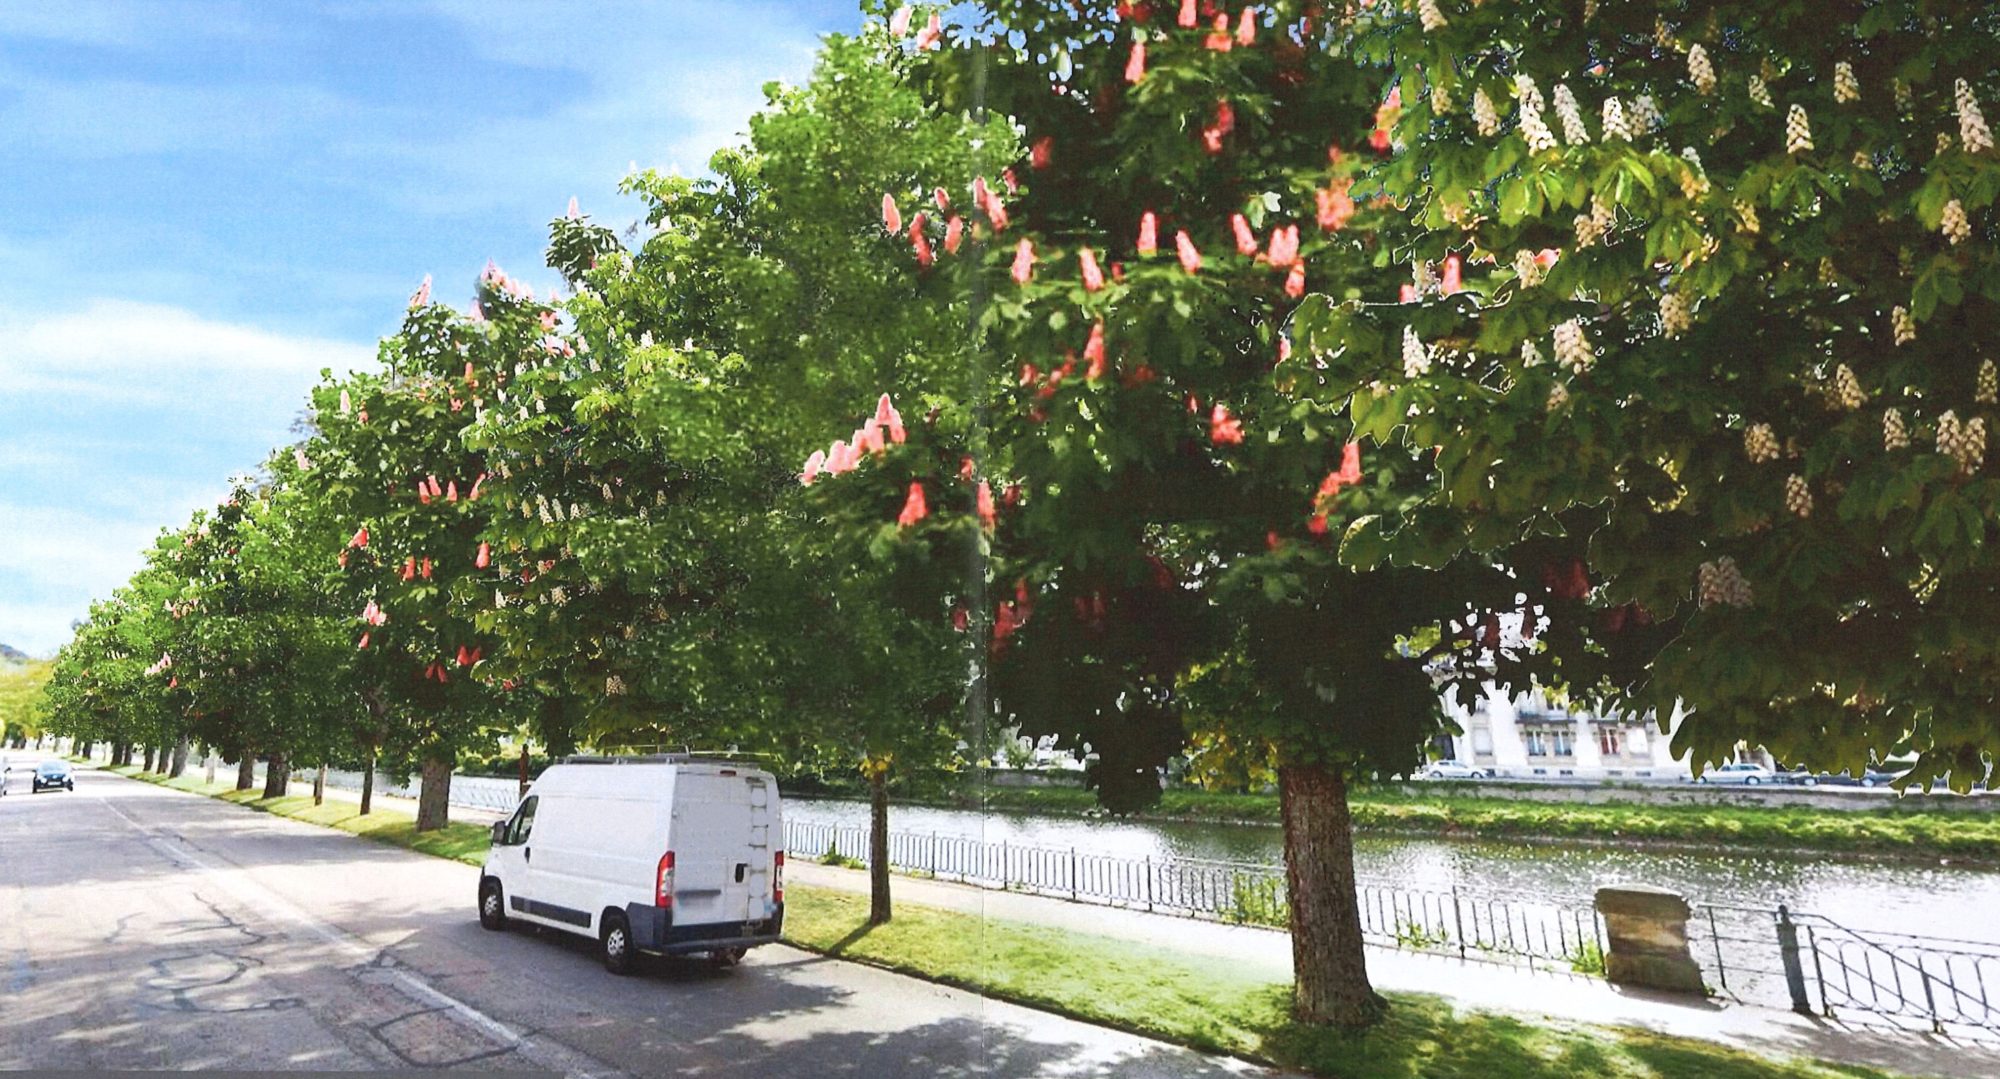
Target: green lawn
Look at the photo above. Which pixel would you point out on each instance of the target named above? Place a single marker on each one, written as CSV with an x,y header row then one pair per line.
x,y
1213,1005
460,841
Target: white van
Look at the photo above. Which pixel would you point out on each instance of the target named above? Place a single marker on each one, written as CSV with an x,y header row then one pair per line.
x,y
663,854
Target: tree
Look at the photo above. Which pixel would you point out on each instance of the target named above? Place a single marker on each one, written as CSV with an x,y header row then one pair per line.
x,y
390,461
1163,479
1749,366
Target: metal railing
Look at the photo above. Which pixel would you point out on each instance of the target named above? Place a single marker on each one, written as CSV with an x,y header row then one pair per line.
x,y
1486,923
469,792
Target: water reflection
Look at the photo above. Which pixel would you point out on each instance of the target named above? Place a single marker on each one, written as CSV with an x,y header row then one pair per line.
x,y
1937,899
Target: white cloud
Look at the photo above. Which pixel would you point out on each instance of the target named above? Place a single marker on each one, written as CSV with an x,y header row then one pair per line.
x,y
145,352
118,418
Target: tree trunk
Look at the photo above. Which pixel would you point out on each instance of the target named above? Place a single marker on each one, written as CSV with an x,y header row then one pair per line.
x,y
147,766
434,800
368,784
246,770
1330,971
277,776
878,847
319,785
180,762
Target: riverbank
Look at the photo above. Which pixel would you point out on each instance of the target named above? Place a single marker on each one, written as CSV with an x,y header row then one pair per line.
x,y
1206,1003
1217,1005
1439,813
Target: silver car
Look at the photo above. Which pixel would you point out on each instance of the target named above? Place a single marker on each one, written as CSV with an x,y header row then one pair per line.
x,y
1741,772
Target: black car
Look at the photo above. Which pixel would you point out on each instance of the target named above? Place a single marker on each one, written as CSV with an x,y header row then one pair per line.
x,y
53,775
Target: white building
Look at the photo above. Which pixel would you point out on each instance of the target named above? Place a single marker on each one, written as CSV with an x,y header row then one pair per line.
x,y
1528,737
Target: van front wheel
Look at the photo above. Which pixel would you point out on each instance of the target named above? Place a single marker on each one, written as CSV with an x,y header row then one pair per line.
x,y
492,905
616,941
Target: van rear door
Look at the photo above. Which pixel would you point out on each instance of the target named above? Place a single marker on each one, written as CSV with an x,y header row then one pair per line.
x,y
722,847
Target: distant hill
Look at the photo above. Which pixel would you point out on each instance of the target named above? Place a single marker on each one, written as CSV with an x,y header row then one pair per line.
x,y
10,654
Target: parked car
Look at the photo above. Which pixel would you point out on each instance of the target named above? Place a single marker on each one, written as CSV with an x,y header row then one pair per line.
x,y
1741,772
660,855
52,775
1452,770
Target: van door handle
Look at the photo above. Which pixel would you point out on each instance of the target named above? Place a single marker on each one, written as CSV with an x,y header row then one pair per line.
x,y
527,854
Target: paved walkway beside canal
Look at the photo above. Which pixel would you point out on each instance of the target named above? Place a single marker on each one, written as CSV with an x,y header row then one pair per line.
x,y
1469,984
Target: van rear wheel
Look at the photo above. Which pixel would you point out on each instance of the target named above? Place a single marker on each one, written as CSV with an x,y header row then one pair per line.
x,y
616,944
727,957
492,905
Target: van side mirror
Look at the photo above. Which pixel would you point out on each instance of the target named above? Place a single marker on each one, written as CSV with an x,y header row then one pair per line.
x,y
499,832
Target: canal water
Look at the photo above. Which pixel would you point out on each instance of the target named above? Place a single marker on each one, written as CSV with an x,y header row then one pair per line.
x,y
1931,898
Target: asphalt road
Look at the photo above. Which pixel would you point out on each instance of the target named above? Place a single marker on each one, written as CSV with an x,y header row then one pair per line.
x,y
142,928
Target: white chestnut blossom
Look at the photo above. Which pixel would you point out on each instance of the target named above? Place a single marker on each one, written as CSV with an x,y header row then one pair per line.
x,y
1528,269
1676,313
1986,389
1895,434
1615,124
1759,443
1847,390
1722,584
1700,70
1962,442
1533,127
1798,496
1571,116
1484,116
1645,114
1416,357
1953,223
1746,214
1972,130
1558,396
1433,19
1798,132
1531,355
1759,93
1846,88
1904,326
1573,348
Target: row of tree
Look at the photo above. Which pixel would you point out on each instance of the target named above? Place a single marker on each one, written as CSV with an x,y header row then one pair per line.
x,y
1235,378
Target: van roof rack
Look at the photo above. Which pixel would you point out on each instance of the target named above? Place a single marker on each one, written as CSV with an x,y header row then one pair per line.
x,y
660,758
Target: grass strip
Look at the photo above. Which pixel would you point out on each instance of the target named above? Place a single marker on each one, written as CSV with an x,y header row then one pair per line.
x,y
1215,1006
1204,1003
458,841
1919,833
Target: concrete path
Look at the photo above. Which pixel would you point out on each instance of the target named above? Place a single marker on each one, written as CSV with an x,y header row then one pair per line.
x,y
147,928
1468,984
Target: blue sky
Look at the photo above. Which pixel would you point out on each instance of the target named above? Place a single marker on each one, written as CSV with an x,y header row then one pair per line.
x,y
207,202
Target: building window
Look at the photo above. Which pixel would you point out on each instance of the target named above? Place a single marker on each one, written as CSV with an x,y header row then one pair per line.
x,y
1482,740
1610,740
1548,741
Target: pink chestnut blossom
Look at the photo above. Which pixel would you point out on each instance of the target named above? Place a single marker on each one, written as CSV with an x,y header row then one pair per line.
x,y
1093,277
914,507
1149,233
1190,258
1024,261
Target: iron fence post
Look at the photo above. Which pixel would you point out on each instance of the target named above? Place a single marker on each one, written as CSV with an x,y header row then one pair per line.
x,y
1722,970
1072,874
1149,883
1930,1000
1788,950
1457,921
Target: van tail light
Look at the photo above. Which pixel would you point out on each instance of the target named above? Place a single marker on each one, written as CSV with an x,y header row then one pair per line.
x,y
778,877
663,893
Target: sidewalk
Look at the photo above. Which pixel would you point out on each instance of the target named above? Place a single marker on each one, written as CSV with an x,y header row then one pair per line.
x,y
1470,984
